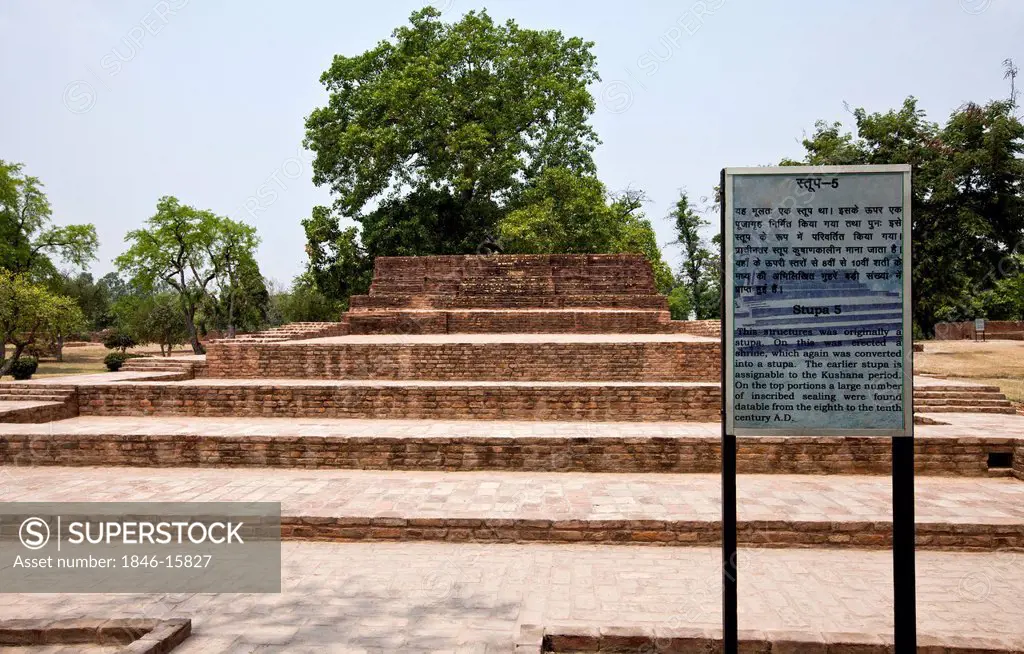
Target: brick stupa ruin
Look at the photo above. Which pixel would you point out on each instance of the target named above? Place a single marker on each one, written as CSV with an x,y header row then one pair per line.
x,y
469,400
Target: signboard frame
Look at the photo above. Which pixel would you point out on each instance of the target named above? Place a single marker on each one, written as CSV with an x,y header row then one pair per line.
x,y
728,260
904,574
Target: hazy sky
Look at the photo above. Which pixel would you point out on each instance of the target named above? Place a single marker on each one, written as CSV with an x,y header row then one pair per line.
x,y
115,103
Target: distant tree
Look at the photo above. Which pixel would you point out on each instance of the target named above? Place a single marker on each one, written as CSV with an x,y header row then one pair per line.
x,y
238,279
967,196
66,319
184,248
242,302
305,303
566,212
339,266
27,313
680,304
427,139
153,318
113,286
92,297
698,273
28,240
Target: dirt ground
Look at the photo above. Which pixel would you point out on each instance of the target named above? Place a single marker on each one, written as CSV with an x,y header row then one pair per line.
x,y
999,363
85,359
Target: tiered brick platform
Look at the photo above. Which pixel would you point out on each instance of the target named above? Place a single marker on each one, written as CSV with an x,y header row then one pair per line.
x,y
476,442
579,294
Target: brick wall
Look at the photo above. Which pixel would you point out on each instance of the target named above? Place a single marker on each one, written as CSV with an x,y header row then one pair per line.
x,y
1018,462
616,361
507,301
624,403
587,274
994,329
797,455
512,281
708,328
513,322
776,533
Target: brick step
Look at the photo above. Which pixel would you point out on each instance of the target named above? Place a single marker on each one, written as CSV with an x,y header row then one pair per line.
x,y
596,401
448,301
921,393
497,321
956,388
35,397
629,359
404,445
27,410
1009,410
921,403
516,507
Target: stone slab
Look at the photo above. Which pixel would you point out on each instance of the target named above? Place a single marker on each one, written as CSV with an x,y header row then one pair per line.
x,y
434,597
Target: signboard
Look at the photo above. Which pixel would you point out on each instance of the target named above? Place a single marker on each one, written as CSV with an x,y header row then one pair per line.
x,y
817,325
979,324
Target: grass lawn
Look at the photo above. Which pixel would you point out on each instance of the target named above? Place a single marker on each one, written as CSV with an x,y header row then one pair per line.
x,y
88,359
998,363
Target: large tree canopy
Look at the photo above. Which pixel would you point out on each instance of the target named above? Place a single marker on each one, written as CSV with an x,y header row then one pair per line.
x,y
429,139
968,195
28,240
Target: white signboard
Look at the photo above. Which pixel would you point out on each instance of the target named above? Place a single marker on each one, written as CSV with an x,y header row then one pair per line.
x,y
979,324
817,327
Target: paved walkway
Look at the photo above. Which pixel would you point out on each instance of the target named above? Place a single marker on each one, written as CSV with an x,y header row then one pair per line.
x,y
962,425
430,597
528,496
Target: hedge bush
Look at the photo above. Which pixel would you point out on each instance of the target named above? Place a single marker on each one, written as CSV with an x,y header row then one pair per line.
x,y
114,361
24,367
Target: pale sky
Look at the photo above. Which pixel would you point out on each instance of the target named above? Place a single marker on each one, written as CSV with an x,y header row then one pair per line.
x,y
114,103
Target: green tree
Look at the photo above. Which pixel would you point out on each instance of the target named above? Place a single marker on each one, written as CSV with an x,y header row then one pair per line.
x,y
427,139
27,237
565,212
305,303
699,271
239,282
184,248
66,319
153,318
339,265
92,297
967,204
27,313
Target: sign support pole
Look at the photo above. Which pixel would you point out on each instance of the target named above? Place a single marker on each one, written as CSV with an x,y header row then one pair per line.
x,y
903,569
730,613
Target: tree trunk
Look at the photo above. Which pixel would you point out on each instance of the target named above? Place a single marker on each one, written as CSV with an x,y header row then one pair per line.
x,y
9,363
231,315
60,348
193,334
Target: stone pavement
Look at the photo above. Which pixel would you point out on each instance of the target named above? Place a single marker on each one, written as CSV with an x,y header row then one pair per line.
x,y
428,597
528,496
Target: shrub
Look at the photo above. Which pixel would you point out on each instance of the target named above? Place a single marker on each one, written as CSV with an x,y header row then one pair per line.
x,y
116,340
24,367
115,360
